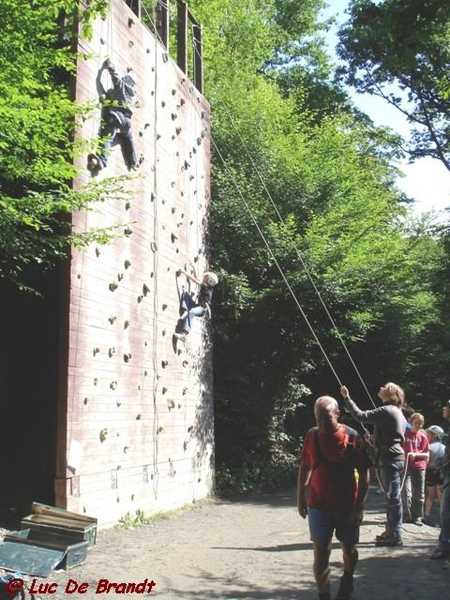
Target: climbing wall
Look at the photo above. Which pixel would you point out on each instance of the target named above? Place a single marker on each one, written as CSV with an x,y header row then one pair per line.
x,y
135,423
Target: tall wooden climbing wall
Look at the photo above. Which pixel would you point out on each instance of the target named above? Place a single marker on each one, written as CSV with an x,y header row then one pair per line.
x,y
135,423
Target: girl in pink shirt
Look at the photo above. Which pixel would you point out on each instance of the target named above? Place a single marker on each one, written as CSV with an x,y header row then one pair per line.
x,y
416,446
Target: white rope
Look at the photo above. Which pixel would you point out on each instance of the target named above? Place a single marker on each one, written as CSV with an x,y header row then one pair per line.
x,y
300,257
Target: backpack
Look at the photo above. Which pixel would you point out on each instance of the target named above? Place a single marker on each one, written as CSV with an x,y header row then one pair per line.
x,y
343,464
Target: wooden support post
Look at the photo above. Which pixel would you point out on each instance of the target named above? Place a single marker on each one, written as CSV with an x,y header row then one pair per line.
x,y
164,22
198,57
135,6
182,54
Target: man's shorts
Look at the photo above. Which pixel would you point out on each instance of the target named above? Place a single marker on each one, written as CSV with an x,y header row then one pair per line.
x,y
323,523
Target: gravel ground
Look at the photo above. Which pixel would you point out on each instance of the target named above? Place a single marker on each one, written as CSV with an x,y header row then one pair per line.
x,y
253,547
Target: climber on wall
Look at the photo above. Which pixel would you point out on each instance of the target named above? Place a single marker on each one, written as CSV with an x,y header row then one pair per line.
x,y
199,307
118,103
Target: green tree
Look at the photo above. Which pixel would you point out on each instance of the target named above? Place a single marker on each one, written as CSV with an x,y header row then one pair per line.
x,y
303,184
399,50
37,146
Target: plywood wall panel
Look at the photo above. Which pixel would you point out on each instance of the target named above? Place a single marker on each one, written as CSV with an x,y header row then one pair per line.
x,y
141,415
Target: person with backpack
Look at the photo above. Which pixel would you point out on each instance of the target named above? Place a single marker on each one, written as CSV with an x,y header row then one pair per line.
x,y
442,549
388,439
434,476
333,482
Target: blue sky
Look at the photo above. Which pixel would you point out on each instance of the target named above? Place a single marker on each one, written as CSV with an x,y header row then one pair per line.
x,y
426,180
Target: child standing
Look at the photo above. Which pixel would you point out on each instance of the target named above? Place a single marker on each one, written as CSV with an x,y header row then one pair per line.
x,y
416,447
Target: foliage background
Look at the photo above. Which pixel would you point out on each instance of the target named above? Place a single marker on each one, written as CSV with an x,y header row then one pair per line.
x,y
307,221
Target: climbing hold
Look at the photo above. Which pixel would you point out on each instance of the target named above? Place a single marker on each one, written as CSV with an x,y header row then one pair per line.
x,y
131,21
164,363
85,401
163,103
145,289
130,43
103,434
127,264
174,116
164,390
138,417
113,286
160,429
174,92
170,404
185,363
127,357
118,403
113,385
127,231
190,428
178,130
95,351
97,252
119,276
165,57
164,306
112,319
111,352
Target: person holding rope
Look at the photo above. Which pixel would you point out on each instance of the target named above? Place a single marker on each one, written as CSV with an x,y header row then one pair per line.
x,y
442,549
388,439
330,493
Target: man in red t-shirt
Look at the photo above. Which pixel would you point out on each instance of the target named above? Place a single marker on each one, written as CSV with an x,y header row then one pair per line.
x,y
417,452
333,482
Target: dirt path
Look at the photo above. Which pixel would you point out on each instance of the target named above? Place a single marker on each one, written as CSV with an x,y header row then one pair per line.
x,y
252,548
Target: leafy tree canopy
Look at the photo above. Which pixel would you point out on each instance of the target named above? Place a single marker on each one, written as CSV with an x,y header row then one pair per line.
x,y
400,50
36,142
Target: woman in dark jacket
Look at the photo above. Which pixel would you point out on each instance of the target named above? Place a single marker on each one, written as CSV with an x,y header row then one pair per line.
x,y
388,438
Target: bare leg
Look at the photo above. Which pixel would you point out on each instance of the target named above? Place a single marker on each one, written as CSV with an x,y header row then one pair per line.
x,y
321,565
431,495
350,558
